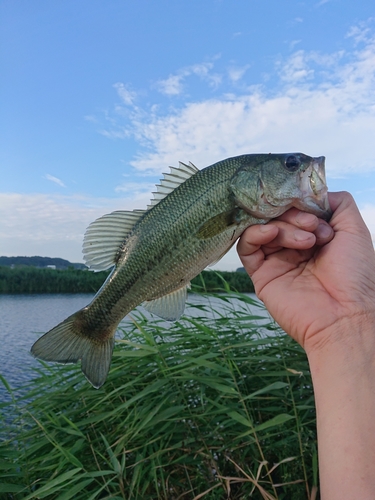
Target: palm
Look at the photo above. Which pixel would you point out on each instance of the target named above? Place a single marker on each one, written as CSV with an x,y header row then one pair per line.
x,y
308,287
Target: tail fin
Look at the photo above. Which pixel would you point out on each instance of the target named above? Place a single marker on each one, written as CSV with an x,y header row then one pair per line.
x,y
64,344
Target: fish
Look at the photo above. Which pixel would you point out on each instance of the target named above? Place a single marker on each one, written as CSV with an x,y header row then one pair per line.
x,y
194,218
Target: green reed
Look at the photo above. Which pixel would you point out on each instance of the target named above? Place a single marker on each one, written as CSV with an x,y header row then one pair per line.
x,y
203,408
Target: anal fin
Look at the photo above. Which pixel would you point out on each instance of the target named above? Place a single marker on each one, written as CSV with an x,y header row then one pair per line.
x,y
170,306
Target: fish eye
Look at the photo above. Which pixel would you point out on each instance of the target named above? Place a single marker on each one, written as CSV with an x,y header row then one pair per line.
x,y
292,163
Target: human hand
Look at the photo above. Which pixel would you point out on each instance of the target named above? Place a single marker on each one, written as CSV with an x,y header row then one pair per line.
x,y
311,275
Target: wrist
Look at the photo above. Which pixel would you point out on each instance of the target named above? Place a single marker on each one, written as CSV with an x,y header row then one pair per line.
x,y
346,345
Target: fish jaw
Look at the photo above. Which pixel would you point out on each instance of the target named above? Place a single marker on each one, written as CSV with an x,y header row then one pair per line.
x,y
314,191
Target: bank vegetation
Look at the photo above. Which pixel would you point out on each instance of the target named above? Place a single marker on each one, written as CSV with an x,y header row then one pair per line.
x,y
29,279
218,406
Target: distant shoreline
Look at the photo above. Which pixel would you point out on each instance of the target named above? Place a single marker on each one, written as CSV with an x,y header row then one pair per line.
x,y
27,279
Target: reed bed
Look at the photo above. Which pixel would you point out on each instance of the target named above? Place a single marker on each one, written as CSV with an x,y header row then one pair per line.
x,y
217,407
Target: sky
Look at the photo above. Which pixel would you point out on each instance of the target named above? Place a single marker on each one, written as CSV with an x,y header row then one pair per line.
x,y
98,99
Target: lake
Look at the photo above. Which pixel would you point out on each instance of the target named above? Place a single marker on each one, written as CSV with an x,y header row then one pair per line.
x,y
23,318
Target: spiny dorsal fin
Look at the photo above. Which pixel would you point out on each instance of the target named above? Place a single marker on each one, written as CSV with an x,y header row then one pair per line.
x,y
104,237
172,180
170,306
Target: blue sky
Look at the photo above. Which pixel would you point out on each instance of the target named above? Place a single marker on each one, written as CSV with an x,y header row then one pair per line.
x,y
99,98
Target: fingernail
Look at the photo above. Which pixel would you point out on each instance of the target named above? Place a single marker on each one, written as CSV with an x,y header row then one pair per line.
x,y
304,218
302,235
265,228
323,231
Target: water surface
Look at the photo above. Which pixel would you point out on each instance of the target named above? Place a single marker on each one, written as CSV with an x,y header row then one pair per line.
x,y
23,318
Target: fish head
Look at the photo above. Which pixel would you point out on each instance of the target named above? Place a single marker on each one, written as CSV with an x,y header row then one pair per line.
x,y
268,185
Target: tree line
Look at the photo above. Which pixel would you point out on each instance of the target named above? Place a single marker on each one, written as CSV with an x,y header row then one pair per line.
x,y
28,279
38,261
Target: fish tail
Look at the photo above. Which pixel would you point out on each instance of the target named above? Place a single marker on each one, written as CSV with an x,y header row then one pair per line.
x,y
65,343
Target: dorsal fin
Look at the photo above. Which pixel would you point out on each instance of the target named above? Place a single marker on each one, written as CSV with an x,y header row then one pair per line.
x,y
104,237
172,180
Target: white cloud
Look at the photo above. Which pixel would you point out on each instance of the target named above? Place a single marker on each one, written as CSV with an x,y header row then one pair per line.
x,y
54,225
56,180
37,224
331,115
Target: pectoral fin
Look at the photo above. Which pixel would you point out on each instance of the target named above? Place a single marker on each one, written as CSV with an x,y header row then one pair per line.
x,y
219,223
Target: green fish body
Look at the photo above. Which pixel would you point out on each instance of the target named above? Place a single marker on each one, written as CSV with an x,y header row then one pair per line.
x,y
193,220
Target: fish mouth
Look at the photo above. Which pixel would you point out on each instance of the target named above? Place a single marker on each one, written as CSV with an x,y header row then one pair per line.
x,y
314,189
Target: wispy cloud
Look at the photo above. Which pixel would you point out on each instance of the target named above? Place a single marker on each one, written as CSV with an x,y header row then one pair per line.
x,y
296,68
293,44
361,32
174,84
235,73
91,118
54,179
127,96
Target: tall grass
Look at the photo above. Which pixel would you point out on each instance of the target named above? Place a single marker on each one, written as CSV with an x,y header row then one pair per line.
x,y
204,408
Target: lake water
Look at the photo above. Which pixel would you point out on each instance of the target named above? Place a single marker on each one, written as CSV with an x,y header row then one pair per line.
x,y
23,318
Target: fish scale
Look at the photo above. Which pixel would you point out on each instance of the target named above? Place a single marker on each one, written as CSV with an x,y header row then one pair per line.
x,y
193,220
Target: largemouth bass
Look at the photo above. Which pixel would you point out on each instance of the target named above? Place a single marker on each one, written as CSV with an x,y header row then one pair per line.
x,y
193,220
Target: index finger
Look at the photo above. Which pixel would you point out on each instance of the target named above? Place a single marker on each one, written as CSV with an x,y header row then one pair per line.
x,y
303,220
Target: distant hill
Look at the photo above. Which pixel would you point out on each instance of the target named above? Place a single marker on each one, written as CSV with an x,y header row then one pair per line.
x,y
240,270
40,262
